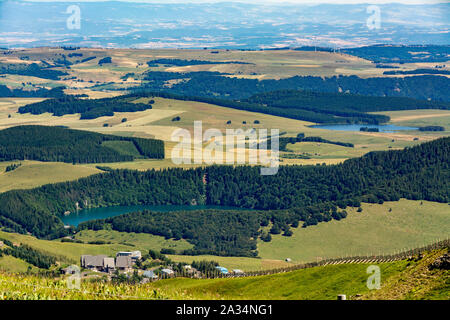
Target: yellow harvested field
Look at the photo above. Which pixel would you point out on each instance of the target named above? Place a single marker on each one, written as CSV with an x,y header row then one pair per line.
x,y
397,136
145,131
146,117
413,116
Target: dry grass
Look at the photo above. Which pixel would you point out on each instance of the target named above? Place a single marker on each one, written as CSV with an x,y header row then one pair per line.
x,y
415,282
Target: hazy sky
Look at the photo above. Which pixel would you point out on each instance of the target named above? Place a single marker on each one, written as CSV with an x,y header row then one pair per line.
x,y
266,1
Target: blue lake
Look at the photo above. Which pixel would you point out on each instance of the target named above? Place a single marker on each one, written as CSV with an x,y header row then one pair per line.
x,y
74,219
357,127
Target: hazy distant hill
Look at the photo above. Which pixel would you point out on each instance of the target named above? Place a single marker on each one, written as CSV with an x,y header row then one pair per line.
x,y
231,25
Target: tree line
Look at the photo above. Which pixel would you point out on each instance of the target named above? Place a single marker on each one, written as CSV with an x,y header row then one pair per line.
x,y
213,84
37,93
33,70
432,128
89,108
59,144
183,63
28,254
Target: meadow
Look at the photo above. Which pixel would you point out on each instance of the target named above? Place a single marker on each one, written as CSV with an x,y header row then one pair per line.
x,y
32,174
399,280
378,229
69,252
422,118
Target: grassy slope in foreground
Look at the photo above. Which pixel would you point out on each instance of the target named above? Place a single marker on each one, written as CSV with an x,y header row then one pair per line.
x,y
399,280
410,224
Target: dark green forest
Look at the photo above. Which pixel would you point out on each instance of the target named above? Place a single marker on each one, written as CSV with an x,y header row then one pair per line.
x,y
222,232
432,128
89,108
37,93
28,254
183,63
417,71
297,194
32,69
105,60
66,145
213,84
401,53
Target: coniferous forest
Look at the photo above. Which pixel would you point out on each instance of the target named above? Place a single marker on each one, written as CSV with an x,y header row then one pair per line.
x,y
297,195
213,84
88,108
32,69
72,146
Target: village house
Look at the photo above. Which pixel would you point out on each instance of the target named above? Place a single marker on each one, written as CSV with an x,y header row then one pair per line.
x,y
222,270
124,263
190,270
167,272
94,263
150,274
109,265
134,255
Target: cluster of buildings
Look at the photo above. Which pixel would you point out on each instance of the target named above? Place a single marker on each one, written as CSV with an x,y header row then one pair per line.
x,y
225,271
124,261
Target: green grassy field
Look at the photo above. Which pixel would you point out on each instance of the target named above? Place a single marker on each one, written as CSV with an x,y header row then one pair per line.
x,y
14,265
422,118
71,252
323,283
325,151
373,231
231,263
140,241
33,174
65,252
399,280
